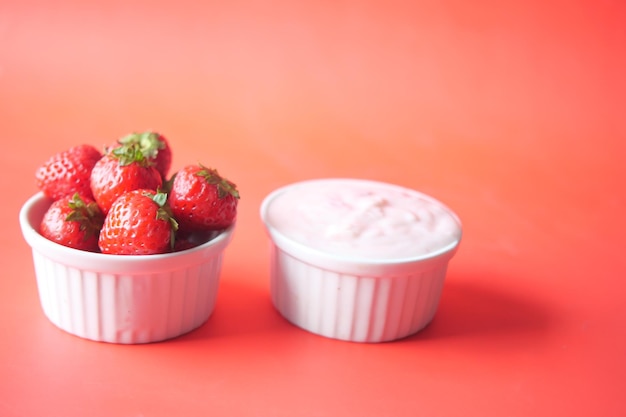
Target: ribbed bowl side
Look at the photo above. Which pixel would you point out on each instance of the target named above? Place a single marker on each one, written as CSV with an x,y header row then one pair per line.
x,y
125,308
356,308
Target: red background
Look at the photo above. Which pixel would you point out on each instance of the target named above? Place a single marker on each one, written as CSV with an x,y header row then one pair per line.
x,y
512,113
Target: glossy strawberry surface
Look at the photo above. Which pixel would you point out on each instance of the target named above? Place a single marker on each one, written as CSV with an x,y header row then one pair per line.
x,y
68,172
202,200
110,178
138,223
74,222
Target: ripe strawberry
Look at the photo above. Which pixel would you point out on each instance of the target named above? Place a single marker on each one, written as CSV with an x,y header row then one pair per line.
x,y
120,170
74,222
154,147
68,172
201,200
139,223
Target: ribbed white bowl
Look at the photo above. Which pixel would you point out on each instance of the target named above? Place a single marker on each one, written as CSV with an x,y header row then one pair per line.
x,y
355,300
359,308
123,299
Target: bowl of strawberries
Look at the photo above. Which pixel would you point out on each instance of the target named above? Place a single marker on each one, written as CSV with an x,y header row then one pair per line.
x,y
123,251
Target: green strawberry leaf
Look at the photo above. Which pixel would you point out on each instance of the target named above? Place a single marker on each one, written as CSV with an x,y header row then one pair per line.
x,y
224,187
87,215
147,142
160,199
164,213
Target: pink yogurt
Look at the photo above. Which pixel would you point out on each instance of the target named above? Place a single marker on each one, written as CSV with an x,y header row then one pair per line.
x,y
363,219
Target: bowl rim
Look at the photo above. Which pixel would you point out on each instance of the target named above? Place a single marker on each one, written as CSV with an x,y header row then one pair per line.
x,y
322,258
32,212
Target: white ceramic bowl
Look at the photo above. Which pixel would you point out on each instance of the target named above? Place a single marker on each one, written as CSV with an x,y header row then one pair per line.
x,y
358,299
123,299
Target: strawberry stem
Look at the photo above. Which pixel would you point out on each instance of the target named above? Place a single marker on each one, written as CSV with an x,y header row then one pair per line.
x,y
141,148
224,187
164,213
88,215
147,142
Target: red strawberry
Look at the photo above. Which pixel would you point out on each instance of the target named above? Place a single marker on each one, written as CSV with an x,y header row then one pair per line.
x,y
201,200
139,223
68,172
121,170
154,146
74,222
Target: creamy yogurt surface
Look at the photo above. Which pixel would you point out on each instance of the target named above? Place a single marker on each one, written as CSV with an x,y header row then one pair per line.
x,y
363,219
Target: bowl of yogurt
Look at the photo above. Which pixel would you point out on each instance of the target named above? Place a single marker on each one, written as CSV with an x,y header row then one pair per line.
x,y
358,260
